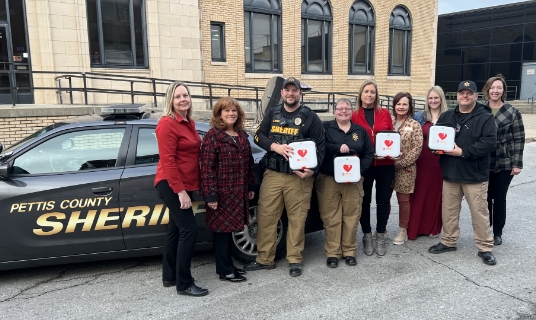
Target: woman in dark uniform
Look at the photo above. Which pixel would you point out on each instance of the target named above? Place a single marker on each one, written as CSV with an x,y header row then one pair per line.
x,y
340,204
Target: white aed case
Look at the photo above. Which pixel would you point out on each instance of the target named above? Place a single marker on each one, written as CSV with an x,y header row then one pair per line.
x,y
304,155
441,138
347,169
388,144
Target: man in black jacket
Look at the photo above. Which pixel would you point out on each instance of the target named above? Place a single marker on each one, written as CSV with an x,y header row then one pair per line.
x,y
466,171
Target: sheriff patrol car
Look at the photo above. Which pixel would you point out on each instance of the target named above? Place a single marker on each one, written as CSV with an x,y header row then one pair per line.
x,y
82,190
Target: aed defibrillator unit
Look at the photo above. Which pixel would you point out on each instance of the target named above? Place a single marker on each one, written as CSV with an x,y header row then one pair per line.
x,y
388,144
347,169
304,156
441,138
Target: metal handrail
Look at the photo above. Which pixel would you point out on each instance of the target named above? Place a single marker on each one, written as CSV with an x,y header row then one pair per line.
x,y
329,98
531,101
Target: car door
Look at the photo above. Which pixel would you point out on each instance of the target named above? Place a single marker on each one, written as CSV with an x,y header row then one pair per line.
x,y
145,217
62,197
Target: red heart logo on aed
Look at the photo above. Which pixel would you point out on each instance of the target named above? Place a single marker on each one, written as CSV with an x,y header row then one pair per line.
x,y
388,142
302,153
442,135
347,167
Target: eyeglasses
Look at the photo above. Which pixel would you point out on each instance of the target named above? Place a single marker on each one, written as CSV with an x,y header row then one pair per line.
x,y
343,109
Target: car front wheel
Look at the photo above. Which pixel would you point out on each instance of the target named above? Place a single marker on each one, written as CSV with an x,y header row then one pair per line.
x,y
245,242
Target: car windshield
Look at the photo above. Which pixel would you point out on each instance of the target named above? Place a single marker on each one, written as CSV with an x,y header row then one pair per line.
x,y
32,136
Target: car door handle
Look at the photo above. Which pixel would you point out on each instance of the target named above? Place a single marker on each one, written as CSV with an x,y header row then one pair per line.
x,y
102,191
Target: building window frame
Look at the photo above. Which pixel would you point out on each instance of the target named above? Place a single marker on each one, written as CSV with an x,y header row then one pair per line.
x,y
220,31
361,16
101,61
253,10
314,11
400,29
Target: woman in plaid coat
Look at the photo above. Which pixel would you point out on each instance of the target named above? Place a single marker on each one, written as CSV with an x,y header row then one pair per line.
x,y
507,159
227,180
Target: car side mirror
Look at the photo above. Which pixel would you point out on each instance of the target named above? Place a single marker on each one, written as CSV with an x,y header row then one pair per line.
x,y
1,147
5,168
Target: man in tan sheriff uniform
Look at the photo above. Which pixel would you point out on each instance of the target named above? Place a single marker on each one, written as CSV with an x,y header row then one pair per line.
x,y
282,187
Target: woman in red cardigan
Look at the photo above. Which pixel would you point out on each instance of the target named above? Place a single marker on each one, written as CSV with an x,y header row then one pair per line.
x,y
227,181
371,116
177,175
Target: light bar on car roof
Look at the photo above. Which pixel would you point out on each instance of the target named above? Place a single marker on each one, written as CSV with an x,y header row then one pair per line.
x,y
135,108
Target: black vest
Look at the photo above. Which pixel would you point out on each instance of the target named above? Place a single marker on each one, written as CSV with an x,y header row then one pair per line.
x,y
284,131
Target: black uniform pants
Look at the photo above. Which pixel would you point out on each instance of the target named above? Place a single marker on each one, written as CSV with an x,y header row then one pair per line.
x,y
497,189
222,249
181,234
383,175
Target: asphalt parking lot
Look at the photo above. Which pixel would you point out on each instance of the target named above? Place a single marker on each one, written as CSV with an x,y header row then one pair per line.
x,y
407,283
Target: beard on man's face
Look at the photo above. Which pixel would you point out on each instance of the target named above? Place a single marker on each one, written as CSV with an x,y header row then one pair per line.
x,y
293,104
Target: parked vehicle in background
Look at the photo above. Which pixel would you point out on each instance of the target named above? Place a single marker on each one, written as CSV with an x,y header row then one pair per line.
x,y
82,190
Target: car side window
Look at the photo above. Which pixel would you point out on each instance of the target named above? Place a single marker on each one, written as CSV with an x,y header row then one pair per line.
x,y
147,147
73,151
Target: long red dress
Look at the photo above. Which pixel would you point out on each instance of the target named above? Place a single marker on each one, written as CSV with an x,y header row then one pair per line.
x,y
425,216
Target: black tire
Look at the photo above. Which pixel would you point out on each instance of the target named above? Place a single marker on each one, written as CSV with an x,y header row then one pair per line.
x,y
245,242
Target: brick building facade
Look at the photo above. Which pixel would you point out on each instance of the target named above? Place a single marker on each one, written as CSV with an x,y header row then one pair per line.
x,y
231,14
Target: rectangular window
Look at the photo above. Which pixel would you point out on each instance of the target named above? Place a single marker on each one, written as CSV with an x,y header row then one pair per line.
x,y
316,43
262,42
217,41
261,38
400,52
117,33
361,39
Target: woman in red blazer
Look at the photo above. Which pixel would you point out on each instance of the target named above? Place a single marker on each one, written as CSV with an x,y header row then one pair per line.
x,y
227,181
177,175
371,116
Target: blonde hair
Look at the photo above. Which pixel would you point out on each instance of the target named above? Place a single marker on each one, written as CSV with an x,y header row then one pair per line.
x,y
223,103
376,100
490,82
170,93
442,108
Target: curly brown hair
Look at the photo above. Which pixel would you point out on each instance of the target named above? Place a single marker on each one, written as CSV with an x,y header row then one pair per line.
x,y
223,103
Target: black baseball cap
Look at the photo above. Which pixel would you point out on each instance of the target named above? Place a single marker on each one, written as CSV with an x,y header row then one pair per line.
x,y
469,85
293,81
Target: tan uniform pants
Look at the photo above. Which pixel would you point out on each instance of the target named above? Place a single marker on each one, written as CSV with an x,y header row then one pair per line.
x,y
278,191
476,195
340,209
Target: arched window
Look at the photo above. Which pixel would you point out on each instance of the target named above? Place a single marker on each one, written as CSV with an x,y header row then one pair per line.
x,y
361,44
262,33
316,36
399,41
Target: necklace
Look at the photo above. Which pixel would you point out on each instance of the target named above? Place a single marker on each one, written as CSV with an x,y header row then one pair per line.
x,y
373,123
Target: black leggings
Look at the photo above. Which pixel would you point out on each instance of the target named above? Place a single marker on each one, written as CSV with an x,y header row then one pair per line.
x,y
383,175
181,235
497,189
222,249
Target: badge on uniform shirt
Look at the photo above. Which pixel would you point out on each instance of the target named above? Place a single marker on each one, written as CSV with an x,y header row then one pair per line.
x,y
297,121
355,137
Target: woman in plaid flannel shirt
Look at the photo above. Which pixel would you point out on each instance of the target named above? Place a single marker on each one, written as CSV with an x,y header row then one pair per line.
x,y
507,159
